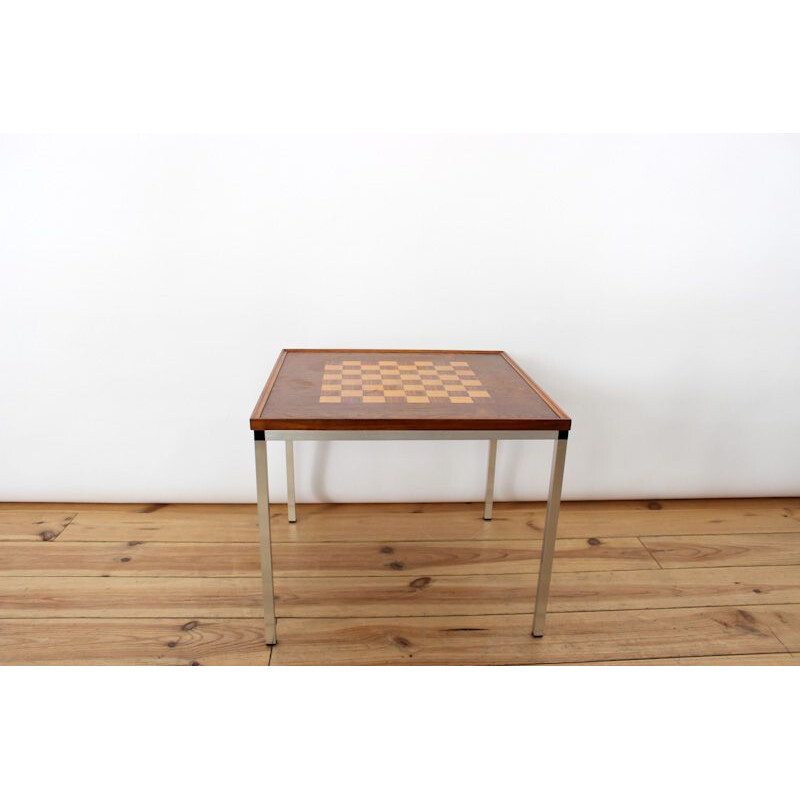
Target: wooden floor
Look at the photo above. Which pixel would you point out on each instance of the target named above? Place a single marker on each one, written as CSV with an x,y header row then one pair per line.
x,y
639,582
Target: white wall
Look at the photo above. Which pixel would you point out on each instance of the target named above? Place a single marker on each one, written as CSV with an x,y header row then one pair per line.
x,y
650,284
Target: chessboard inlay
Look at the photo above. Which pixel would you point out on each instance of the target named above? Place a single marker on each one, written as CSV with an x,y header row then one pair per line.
x,y
389,381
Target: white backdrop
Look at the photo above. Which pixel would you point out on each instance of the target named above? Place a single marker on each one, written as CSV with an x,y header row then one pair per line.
x,y
650,284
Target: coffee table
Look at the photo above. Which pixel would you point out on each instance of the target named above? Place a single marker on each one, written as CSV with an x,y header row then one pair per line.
x,y
404,394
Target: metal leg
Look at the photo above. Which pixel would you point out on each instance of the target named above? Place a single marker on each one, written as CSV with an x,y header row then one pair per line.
x,y
550,526
487,503
264,536
292,509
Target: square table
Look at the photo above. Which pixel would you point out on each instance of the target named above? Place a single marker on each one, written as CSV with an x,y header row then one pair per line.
x,y
404,394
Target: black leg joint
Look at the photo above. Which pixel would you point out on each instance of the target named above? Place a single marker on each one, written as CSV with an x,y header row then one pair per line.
x,y
259,436
563,434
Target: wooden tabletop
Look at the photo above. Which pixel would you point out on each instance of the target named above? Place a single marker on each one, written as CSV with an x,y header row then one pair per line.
x,y
403,390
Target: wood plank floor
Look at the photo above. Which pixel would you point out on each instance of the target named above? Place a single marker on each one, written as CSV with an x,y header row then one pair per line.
x,y
635,582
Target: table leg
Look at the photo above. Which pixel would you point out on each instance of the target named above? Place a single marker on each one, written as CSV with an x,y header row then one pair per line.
x,y
290,504
262,484
550,526
489,499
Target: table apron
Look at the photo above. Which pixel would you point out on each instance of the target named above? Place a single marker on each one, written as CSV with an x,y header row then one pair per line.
x,y
332,435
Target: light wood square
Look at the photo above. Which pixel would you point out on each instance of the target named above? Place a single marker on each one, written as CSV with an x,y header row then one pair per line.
x,y
453,364
460,399
352,393
479,393
374,398
395,393
330,399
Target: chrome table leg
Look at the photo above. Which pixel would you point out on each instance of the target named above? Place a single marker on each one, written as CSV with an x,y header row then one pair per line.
x,y
262,484
489,499
550,526
290,504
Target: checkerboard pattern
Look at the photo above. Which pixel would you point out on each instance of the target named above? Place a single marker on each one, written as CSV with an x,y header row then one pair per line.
x,y
401,382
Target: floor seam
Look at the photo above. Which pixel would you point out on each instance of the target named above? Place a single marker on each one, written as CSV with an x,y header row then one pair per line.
x,y
69,522
649,552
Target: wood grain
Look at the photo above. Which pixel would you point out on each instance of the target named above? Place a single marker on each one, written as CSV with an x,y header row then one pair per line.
x,y
481,558
168,523
391,596
32,524
314,559
781,659
506,639
639,582
379,522
757,549
180,641
557,410
139,559
396,595
47,598
784,622
261,402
